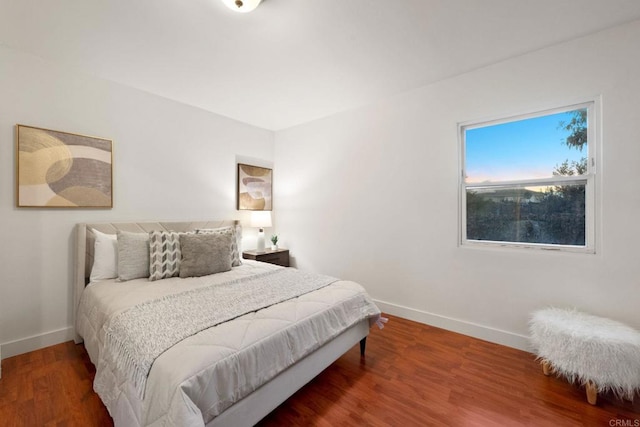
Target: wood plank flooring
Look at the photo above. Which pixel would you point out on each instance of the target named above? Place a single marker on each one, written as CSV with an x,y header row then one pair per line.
x,y
412,375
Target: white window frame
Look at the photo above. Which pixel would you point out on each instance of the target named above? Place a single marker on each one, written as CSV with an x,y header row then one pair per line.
x,y
589,179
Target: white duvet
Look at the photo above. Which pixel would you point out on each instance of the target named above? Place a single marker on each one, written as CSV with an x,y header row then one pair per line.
x,y
198,378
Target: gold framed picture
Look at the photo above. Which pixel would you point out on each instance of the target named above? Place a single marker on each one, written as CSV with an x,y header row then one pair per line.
x,y
254,188
63,170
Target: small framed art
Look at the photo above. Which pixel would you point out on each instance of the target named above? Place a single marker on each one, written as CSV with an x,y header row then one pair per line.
x,y
254,188
62,170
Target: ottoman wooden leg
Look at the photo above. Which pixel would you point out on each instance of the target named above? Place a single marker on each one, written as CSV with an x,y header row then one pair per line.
x,y
546,368
592,392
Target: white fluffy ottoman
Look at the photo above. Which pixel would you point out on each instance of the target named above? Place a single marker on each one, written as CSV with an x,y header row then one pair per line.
x,y
596,352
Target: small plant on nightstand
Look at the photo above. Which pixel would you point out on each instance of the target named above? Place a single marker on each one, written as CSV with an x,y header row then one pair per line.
x,y
274,242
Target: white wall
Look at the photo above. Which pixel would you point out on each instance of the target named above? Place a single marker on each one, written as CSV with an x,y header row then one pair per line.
x,y
171,162
372,195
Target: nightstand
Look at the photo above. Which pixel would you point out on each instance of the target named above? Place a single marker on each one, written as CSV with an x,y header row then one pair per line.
x,y
279,256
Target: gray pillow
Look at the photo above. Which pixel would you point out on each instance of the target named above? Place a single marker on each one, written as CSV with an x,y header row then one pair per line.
x,y
133,255
236,235
204,254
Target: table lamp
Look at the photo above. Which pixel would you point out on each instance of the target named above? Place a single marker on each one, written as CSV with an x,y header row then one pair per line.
x,y
261,219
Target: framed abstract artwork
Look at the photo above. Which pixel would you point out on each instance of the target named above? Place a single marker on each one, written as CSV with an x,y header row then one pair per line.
x,y
254,188
62,170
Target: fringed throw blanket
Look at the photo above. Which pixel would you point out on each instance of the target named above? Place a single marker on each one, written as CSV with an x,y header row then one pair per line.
x,y
136,337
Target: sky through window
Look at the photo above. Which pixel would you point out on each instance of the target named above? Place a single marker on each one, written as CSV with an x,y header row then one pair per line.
x,y
523,149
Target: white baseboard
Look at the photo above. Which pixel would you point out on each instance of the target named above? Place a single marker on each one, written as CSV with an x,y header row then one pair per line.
x,y
36,342
486,333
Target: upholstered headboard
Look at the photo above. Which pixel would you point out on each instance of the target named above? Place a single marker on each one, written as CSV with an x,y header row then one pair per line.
x,y
85,240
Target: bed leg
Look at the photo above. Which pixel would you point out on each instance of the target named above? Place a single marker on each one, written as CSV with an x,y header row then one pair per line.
x,y
363,346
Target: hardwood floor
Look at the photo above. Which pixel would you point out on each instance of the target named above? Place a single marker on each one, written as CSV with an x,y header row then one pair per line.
x,y
412,375
50,387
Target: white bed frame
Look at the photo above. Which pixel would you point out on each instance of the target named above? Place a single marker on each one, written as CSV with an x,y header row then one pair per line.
x,y
261,402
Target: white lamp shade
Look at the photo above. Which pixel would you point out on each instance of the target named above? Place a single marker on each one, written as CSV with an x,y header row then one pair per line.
x,y
241,6
261,219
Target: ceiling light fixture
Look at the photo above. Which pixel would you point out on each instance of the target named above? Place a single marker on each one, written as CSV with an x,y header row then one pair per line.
x,y
242,6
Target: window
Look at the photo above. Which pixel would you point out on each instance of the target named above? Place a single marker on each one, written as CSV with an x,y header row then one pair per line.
x,y
529,180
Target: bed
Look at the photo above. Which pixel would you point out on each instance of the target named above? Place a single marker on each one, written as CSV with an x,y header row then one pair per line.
x,y
231,374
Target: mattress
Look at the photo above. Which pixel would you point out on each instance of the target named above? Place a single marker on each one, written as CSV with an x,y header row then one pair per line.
x,y
198,378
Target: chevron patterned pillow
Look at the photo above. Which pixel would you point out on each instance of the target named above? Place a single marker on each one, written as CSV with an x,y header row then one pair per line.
x,y
164,254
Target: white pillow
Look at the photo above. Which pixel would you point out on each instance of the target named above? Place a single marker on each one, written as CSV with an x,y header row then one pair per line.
x,y
105,257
